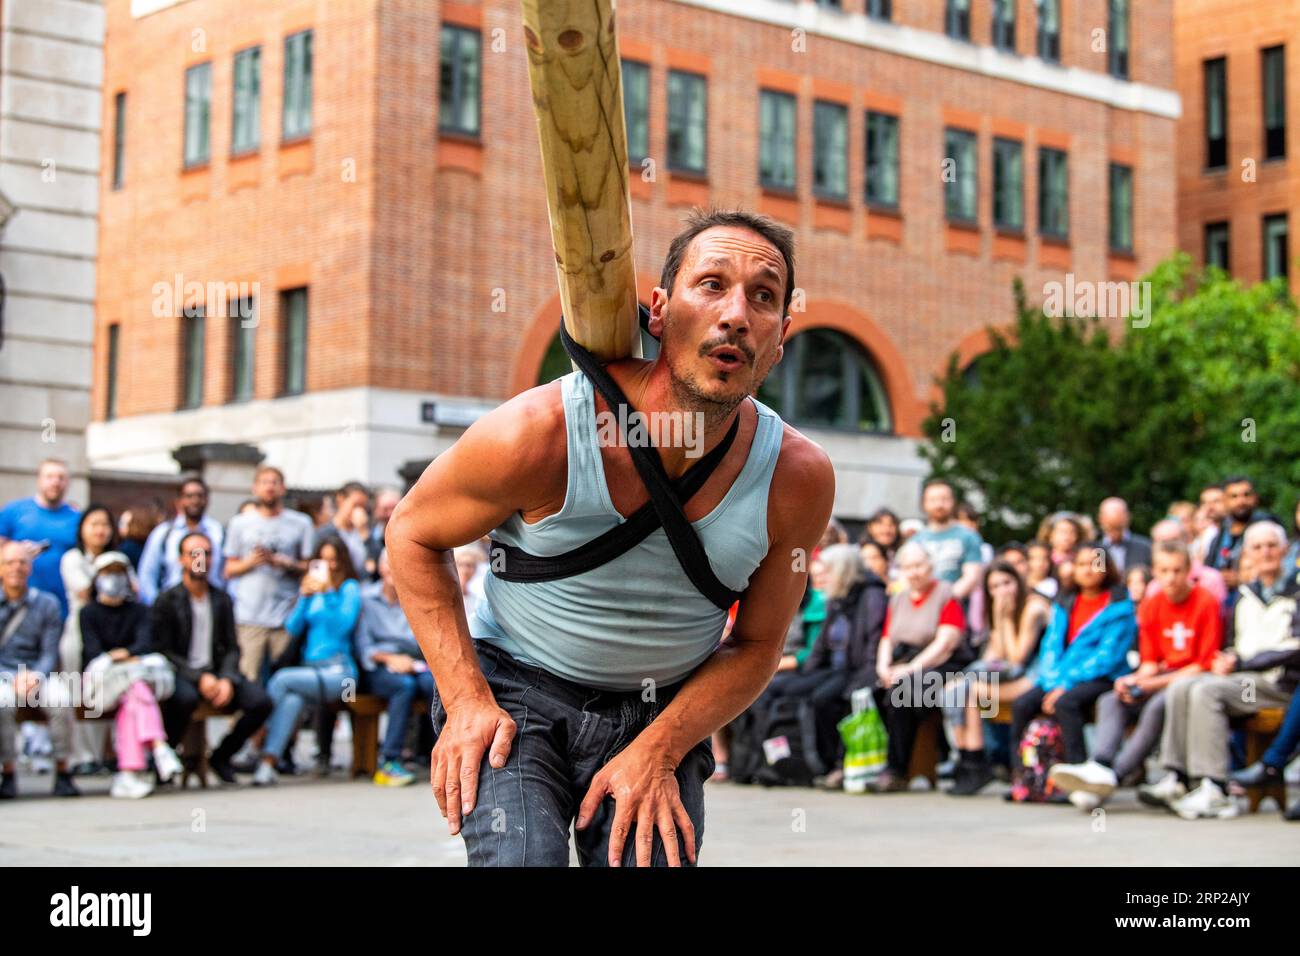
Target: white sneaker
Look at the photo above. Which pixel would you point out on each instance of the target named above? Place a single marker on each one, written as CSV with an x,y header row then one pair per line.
x,y
1207,800
1164,793
1085,801
265,775
1088,777
166,762
129,785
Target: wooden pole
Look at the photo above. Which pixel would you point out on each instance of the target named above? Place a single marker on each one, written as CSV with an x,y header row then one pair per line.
x,y
577,86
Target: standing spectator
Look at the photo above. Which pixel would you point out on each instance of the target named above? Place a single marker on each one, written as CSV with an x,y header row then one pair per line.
x,y
1017,619
1184,512
1065,534
1291,563
345,525
921,637
1179,633
1040,572
1258,669
194,627
324,620
883,530
968,517
1212,511
1242,504
392,667
1124,546
160,564
48,524
469,558
1092,628
115,632
134,527
29,651
955,551
266,552
1171,532
96,534
1014,554
386,499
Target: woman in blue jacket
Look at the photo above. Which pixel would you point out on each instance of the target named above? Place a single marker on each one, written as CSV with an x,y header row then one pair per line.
x,y
1084,651
322,623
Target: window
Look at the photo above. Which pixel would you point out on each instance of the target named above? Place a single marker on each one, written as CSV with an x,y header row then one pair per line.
x,y
556,364
956,19
830,4
1004,25
1274,64
192,357
198,104
826,380
110,397
1053,194
776,140
245,125
1218,250
1008,185
293,321
1216,113
882,160
243,342
959,175
831,150
119,139
880,9
1121,208
1117,47
636,108
459,83
296,121
1276,255
1049,30
687,115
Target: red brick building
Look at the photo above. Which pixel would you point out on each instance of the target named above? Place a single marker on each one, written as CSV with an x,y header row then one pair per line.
x,y
387,232
1238,183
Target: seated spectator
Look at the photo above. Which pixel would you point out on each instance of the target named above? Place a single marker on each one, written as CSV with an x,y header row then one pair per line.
x,y
30,624
1014,554
1291,563
1136,580
469,558
1171,532
807,621
874,560
921,639
1040,571
194,627
1258,669
1268,769
1092,628
1128,549
1017,619
392,667
115,633
841,658
321,625
1179,632
882,530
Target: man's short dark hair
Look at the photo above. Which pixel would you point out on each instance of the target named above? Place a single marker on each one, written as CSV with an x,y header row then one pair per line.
x,y
932,482
190,479
781,238
1213,486
1237,480
352,487
180,545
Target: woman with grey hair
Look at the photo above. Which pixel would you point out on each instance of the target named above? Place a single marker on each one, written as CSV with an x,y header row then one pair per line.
x,y
843,656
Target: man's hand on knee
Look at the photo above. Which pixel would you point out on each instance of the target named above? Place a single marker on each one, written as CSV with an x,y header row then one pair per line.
x,y
472,728
644,786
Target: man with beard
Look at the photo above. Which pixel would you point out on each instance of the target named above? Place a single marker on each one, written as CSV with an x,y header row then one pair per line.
x,y
1242,503
160,563
594,696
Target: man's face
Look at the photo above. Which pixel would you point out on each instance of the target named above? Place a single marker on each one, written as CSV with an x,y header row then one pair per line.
x,y
722,325
193,500
268,488
1212,502
1265,554
196,554
1242,500
15,567
384,505
52,482
937,503
1173,573
1113,518
916,571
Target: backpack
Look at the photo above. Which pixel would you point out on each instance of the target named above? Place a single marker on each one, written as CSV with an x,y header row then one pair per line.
x,y
1040,748
788,744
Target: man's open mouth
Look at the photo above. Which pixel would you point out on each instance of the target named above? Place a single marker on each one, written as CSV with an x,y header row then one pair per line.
x,y
727,358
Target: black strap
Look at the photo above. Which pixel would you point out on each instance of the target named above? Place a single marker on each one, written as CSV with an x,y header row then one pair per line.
x,y
665,507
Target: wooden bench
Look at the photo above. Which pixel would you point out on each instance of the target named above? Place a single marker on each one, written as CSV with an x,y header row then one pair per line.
x,y
1260,729
924,761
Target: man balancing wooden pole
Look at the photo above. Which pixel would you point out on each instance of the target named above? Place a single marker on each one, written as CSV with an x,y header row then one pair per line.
x,y
584,690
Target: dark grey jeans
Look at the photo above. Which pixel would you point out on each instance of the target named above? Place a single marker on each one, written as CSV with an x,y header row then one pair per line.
x,y
564,734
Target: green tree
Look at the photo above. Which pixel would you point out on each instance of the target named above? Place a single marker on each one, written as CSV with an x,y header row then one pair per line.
x,y
1059,413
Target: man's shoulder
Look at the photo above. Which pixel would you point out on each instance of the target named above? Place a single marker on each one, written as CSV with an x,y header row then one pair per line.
x,y
803,461
43,602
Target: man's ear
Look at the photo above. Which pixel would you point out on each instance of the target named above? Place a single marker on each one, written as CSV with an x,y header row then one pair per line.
x,y
658,309
785,329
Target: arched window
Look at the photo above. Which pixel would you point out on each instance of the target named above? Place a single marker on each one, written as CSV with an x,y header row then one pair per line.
x,y
556,362
827,380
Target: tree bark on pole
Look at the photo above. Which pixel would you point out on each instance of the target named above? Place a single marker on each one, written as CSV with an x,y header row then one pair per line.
x,y
577,88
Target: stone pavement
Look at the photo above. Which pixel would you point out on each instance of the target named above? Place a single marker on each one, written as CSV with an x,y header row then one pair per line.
x,y
338,822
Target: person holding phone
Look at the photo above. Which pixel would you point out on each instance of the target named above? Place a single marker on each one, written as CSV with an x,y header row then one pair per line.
x,y
322,624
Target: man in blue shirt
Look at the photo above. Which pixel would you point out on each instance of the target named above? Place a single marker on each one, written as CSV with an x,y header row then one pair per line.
x,y
160,563
954,549
48,524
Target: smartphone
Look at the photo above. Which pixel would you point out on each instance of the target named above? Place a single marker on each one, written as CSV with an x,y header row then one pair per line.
x,y
319,570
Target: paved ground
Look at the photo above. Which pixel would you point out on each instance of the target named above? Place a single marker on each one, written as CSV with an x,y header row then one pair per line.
x,y
335,822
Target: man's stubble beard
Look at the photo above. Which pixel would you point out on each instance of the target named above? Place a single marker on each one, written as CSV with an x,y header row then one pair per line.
x,y
690,395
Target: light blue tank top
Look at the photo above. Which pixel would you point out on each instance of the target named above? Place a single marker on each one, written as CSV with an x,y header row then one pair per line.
x,y
637,617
